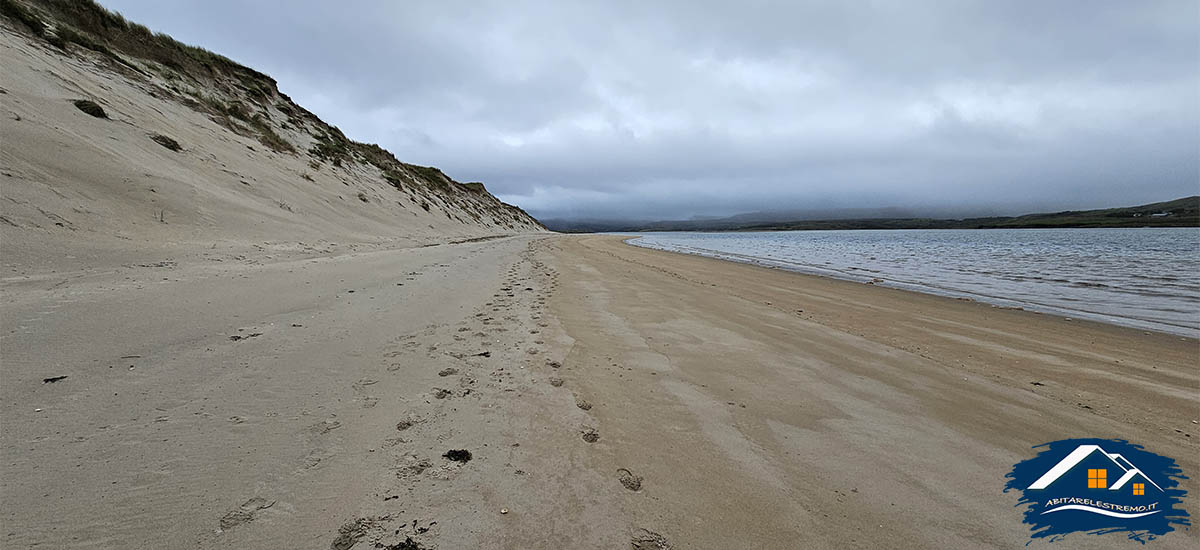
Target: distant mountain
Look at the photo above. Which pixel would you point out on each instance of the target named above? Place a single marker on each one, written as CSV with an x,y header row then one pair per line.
x,y
1184,212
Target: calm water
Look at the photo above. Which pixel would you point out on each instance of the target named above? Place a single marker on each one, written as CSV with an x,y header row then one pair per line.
x,y
1147,278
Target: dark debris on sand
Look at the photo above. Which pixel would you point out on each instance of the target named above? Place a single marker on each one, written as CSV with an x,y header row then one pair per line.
x,y
90,107
458,455
166,142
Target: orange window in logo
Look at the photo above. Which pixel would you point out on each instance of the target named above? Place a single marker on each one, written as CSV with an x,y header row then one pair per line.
x,y
1098,478
1139,488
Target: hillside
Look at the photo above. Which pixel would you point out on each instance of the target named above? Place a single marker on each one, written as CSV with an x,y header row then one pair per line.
x,y
119,139
1184,212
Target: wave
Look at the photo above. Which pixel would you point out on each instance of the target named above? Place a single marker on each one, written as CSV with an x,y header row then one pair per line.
x,y
1099,279
1099,511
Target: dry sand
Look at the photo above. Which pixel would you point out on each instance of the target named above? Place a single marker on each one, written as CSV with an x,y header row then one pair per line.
x,y
610,396
303,403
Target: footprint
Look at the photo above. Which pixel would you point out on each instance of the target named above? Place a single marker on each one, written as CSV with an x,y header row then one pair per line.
x,y
556,382
583,404
590,435
363,383
629,480
414,467
325,426
244,513
409,422
314,458
349,533
644,539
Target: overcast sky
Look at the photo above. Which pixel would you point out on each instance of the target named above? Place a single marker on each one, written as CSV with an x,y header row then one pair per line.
x,y
660,109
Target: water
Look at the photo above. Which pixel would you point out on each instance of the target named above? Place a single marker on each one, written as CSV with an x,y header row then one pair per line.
x,y
1146,278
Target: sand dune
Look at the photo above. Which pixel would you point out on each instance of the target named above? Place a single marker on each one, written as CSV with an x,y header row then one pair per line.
x,y
102,191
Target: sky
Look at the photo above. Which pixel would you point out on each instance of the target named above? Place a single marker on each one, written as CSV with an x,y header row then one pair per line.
x,y
676,109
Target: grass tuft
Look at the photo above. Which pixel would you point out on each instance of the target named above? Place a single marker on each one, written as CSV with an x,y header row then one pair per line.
x,y
268,137
23,15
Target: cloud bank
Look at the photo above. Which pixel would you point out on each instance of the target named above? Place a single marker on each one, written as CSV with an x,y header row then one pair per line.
x,y
675,109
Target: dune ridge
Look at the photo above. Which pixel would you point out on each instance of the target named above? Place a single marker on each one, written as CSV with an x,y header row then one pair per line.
x,y
123,140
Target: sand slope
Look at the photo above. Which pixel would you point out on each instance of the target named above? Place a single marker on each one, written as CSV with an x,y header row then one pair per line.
x,y
102,190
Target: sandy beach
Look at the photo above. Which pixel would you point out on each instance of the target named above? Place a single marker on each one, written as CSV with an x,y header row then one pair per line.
x,y
609,396
777,410
228,323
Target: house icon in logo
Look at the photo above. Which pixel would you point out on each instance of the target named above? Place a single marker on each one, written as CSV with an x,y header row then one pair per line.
x,y
1091,467
1099,486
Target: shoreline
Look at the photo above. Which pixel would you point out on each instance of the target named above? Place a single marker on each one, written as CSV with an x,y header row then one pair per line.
x,y
884,280
880,229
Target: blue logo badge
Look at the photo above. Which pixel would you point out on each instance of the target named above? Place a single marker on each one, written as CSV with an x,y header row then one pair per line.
x,y
1099,486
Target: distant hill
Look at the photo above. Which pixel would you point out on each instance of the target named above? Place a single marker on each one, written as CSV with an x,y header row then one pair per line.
x,y
1184,212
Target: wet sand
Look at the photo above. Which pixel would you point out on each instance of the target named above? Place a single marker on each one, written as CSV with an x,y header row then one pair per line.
x,y
610,396
772,409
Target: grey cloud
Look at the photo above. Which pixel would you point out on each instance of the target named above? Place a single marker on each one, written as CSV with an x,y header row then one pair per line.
x,y
674,109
